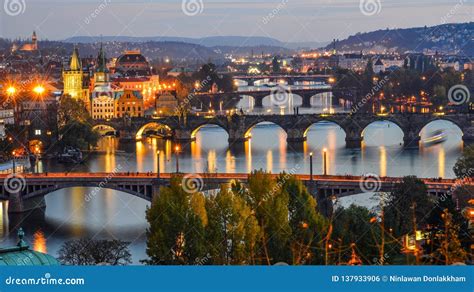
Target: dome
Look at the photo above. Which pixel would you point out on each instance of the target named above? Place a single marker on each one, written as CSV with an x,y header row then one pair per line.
x,y
132,63
22,255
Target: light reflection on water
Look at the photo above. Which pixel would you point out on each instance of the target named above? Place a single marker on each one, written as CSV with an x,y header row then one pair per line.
x,y
110,214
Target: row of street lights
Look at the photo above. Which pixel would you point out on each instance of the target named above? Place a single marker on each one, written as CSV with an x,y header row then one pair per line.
x,y
178,149
325,163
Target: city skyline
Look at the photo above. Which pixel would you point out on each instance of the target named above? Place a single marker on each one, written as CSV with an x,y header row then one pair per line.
x,y
287,21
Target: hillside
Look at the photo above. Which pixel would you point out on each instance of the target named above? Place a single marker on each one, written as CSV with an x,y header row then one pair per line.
x,y
447,38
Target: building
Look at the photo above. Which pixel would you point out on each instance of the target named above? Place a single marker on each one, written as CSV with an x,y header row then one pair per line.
x,y
29,46
129,103
102,73
73,78
166,102
379,66
178,71
38,114
22,255
354,62
132,64
102,103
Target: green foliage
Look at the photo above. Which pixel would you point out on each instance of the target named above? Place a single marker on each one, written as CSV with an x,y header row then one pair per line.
x,y
79,135
464,167
72,110
75,129
176,232
409,202
308,226
355,225
233,230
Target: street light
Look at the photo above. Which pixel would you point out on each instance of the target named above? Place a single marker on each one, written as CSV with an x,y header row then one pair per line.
x,y
311,166
177,148
158,163
39,90
325,160
11,90
14,164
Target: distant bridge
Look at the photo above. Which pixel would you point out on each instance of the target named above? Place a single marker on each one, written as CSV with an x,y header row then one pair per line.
x,y
238,127
29,193
290,79
260,94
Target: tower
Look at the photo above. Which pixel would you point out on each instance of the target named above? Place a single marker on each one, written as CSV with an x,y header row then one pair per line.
x,y
101,76
73,77
34,41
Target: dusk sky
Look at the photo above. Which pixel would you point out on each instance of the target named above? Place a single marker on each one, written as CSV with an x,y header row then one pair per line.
x,y
286,20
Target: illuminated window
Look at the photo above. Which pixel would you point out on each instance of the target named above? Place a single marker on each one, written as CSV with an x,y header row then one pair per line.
x,y
38,132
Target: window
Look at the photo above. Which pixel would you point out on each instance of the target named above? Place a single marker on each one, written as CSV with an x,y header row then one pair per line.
x,y
38,132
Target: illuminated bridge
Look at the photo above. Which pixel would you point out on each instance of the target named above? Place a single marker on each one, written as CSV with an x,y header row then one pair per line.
x,y
26,192
183,130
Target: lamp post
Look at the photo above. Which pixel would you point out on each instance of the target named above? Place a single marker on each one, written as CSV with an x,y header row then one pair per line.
x,y
177,148
325,161
311,166
11,95
14,164
158,163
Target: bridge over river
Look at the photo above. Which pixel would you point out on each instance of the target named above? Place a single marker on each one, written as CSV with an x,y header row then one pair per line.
x,y
183,129
25,192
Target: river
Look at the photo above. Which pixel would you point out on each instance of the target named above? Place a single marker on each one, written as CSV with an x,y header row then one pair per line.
x,y
111,214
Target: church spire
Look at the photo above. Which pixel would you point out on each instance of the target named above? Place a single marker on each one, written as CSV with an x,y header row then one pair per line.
x,y
101,60
75,64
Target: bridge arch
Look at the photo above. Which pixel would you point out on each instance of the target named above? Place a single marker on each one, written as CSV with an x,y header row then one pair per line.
x,y
144,192
321,122
248,131
104,129
391,123
196,129
161,129
435,123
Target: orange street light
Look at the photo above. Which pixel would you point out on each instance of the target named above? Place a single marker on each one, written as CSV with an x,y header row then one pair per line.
x,y
11,90
39,90
177,148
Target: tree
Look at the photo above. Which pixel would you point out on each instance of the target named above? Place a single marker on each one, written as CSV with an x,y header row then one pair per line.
x,y
233,230
355,225
176,232
450,250
87,252
409,202
276,65
270,207
70,110
464,167
78,134
308,226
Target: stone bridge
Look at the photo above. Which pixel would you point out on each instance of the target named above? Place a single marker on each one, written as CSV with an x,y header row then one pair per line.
x,y
238,127
26,192
290,79
259,95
